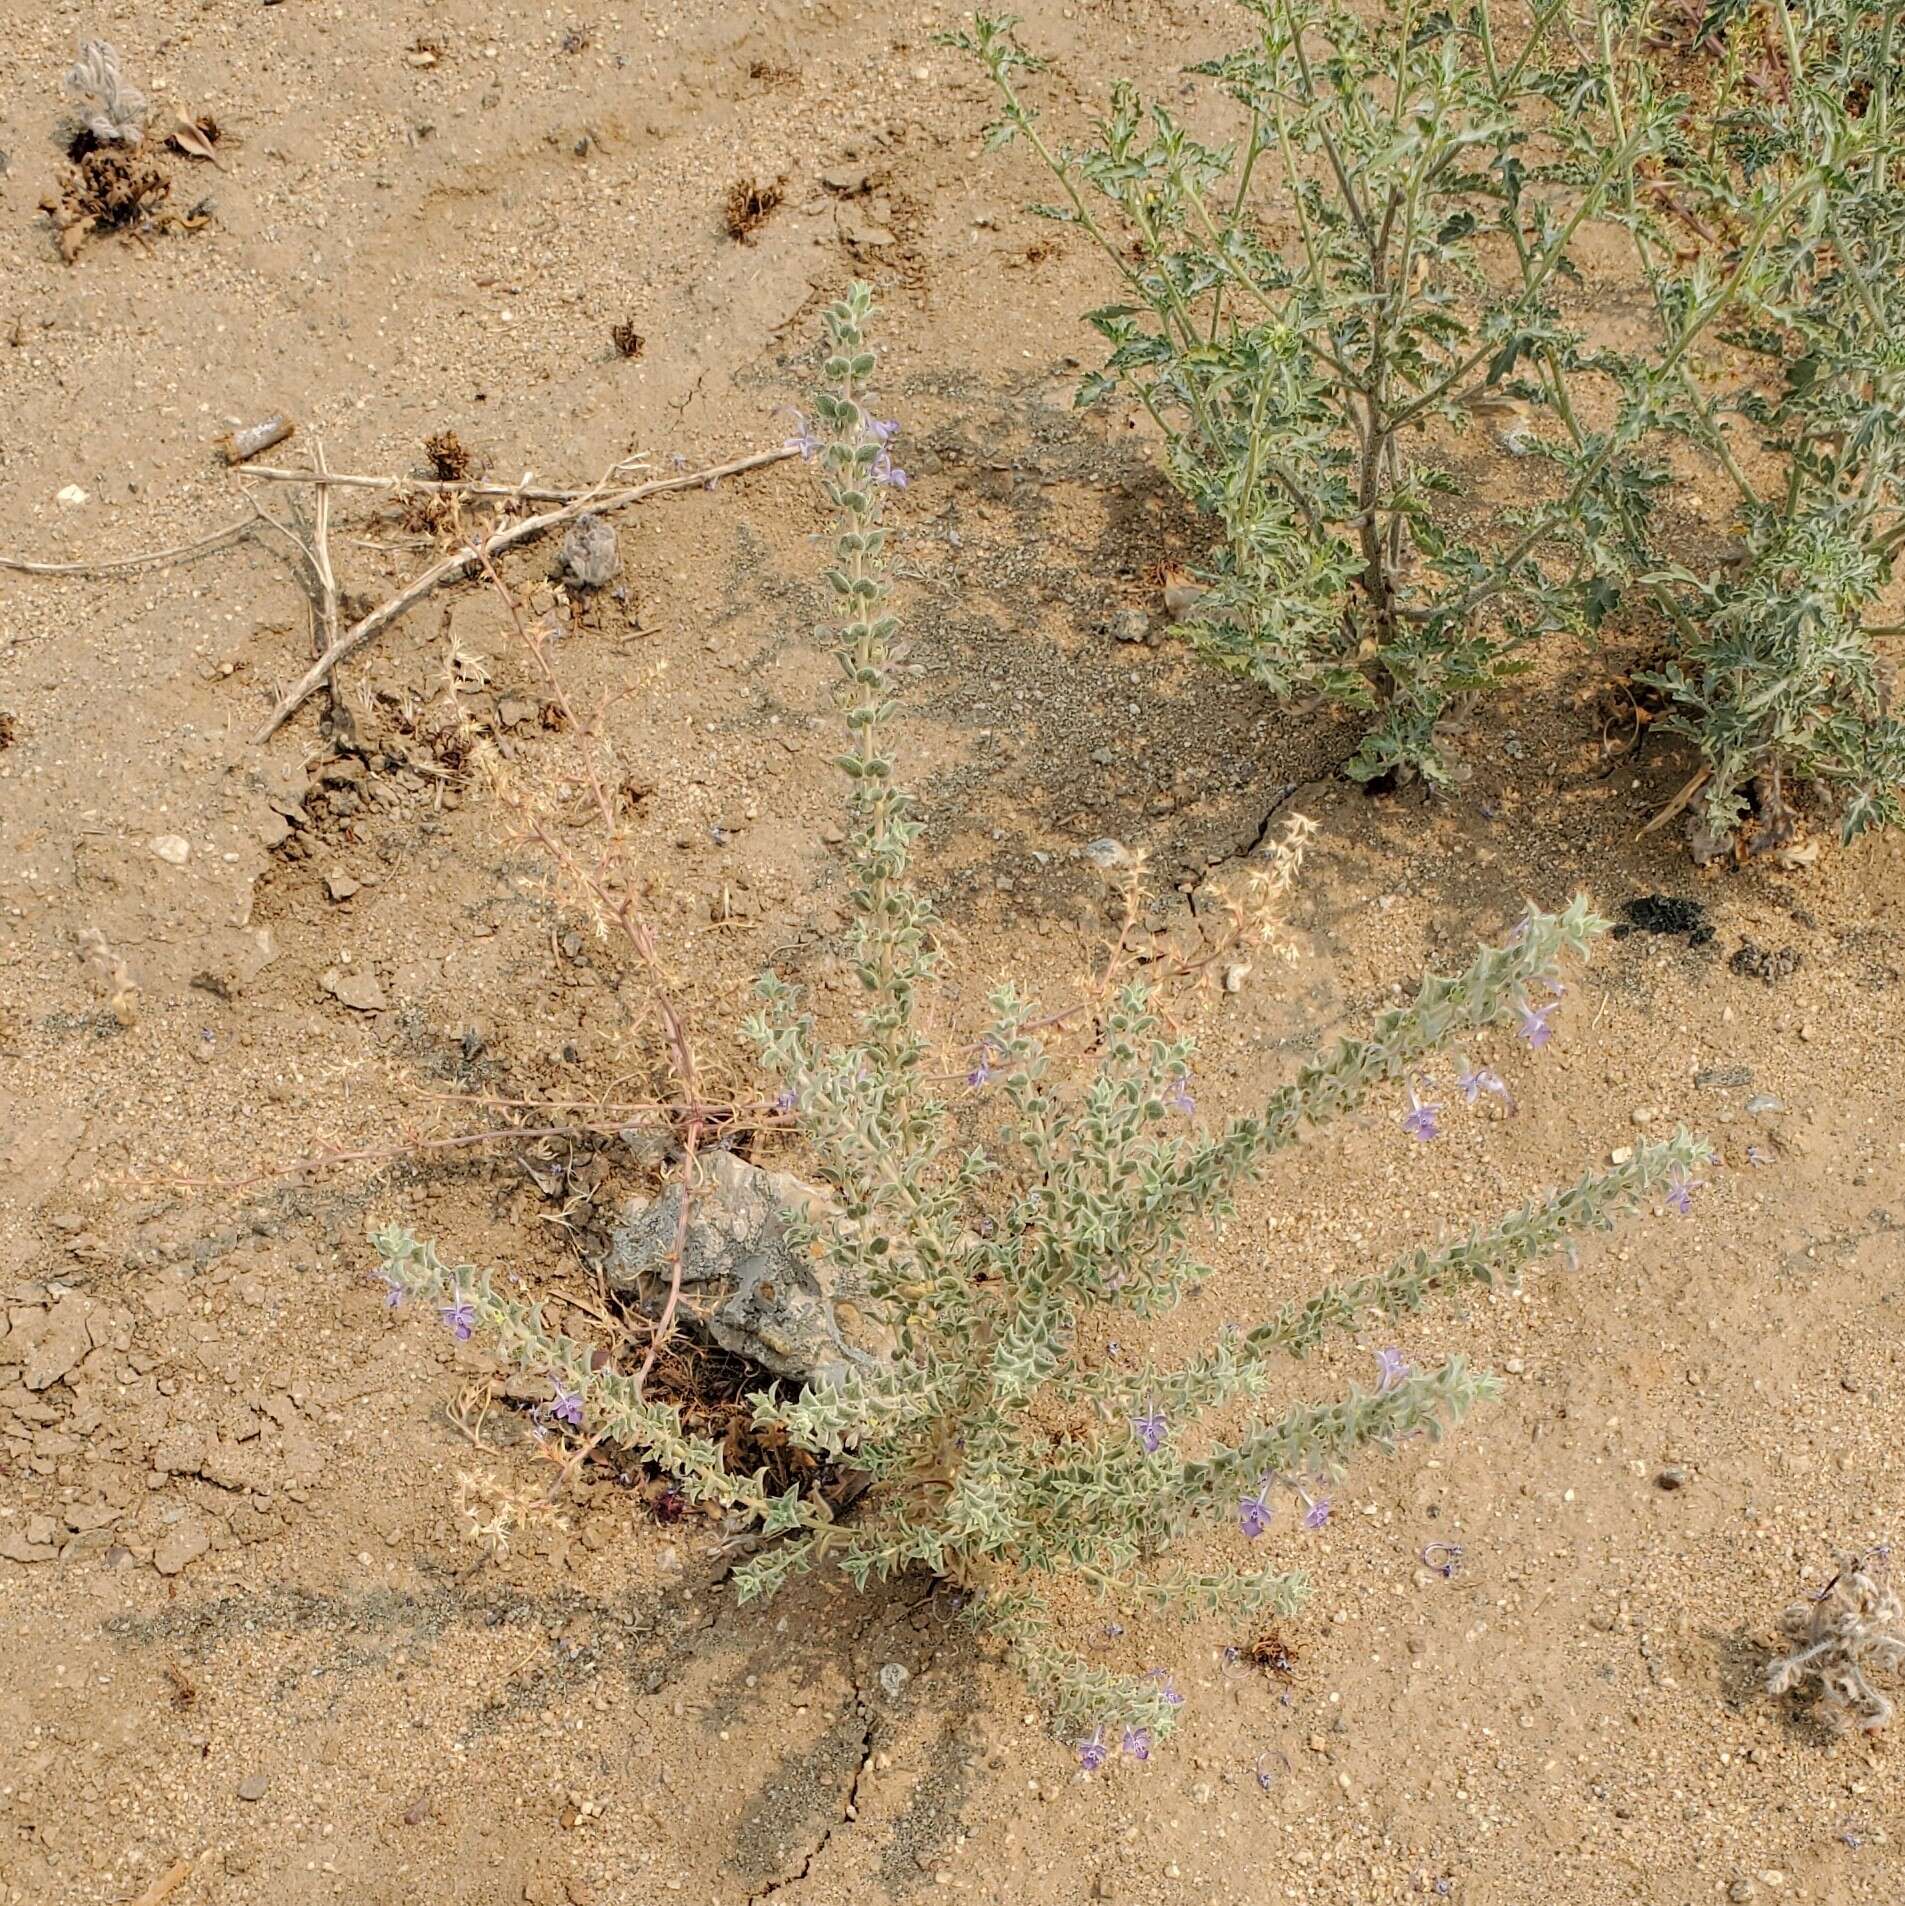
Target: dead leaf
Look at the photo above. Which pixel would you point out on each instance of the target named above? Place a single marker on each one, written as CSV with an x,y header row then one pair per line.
x,y
194,137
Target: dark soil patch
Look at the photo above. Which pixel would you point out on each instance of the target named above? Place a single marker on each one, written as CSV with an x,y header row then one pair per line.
x,y
1665,913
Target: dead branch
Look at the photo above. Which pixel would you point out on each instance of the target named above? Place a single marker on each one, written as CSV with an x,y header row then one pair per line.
x,y
466,561
219,539
431,486
166,1884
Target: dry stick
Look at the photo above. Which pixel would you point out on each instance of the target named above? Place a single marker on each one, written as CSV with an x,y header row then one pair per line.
x,y
452,568
427,486
166,1884
219,539
321,546
1679,801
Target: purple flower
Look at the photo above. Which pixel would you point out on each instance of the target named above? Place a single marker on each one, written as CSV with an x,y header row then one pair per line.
x,y
1317,1513
981,1074
1473,1083
803,438
1534,1025
1254,1513
461,1317
1680,1189
786,1099
1178,1097
1420,1119
1149,1429
394,1291
1168,1692
1137,1742
882,429
1390,1369
886,471
566,1407
1092,1750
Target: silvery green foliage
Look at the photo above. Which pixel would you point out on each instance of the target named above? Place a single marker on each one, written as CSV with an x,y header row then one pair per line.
x,y
1788,181
1383,247
114,109
1305,301
988,1231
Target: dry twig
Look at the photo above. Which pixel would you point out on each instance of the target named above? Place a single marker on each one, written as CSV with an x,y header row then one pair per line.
x,y
218,539
165,1885
477,555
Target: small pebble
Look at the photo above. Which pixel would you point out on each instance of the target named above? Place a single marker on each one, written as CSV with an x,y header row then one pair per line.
x,y
1672,1477
252,1787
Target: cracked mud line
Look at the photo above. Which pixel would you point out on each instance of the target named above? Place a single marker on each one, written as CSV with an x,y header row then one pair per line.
x,y
860,1730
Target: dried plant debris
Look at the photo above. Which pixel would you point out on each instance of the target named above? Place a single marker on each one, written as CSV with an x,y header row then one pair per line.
x,y
1854,1628
1274,1655
749,203
197,138
117,181
111,189
626,339
114,110
451,459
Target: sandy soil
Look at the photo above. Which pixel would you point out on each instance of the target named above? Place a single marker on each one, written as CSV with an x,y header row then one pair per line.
x,y
240,1623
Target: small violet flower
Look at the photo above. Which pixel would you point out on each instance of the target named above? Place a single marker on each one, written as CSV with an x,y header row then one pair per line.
x,y
883,429
1317,1513
461,1317
981,1074
1472,1083
395,1292
1178,1095
1150,1429
1137,1742
1390,1369
1420,1121
1534,1025
886,471
566,1407
1168,1692
1092,1750
804,439
1680,1190
1254,1513
786,1099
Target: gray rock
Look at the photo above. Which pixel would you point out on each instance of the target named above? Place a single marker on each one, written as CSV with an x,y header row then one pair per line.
x,y
587,559
742,1284
1130,625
